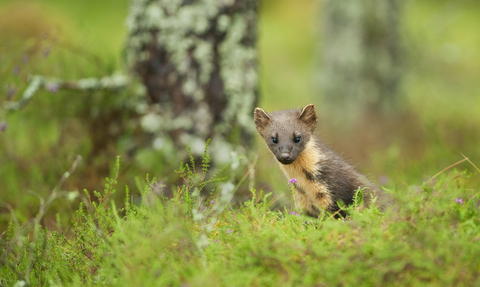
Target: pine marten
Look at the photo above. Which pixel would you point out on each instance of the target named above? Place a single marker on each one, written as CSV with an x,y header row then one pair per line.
x,y
323,178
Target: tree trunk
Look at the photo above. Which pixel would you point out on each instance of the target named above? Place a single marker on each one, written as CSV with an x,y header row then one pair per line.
x,y
197,60
360,60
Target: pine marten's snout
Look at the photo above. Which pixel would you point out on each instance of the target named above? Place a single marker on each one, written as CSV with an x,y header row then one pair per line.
x,y
285,156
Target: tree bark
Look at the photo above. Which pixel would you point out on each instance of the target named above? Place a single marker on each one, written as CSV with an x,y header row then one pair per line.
x,y
361,56
197,60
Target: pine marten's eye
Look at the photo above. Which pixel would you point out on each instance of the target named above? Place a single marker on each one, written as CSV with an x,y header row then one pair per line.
x,y
274,140
297,139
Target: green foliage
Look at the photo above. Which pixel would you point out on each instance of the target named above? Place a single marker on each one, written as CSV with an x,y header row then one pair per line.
x,y
428,237
196,182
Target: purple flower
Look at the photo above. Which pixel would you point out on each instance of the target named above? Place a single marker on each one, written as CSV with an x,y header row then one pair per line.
x,y
52,87
3,126
293,180
212,202
308,222
292,213
459,201
216,241
229,231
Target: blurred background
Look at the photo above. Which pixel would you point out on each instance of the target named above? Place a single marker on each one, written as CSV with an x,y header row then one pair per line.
x,y
420,122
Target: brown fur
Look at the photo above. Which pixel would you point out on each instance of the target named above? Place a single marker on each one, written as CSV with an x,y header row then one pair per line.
x,y
323,177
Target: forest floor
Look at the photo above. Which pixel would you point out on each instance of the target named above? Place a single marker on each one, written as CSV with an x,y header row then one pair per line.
x,y
429,237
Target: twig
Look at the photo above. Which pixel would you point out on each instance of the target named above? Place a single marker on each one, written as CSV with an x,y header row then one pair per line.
x,y
20,231
336,212
466,158
44,205
457,163
112,82
448,167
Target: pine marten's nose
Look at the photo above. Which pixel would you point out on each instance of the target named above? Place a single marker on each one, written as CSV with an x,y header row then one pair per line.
x,y
285,158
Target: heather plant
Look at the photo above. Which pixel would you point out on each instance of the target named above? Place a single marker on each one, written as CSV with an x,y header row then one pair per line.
x,y
198,237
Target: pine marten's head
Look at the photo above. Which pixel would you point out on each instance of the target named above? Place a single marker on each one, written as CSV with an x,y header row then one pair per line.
x,y
287,132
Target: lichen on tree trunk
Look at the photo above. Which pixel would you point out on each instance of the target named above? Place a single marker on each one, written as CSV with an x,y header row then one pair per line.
x,y
198,63
360,68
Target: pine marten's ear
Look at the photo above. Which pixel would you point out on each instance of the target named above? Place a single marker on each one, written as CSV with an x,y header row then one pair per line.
x,y
309,116
262,119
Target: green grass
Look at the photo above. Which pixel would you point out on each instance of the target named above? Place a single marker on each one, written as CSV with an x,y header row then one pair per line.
x,y
427,238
